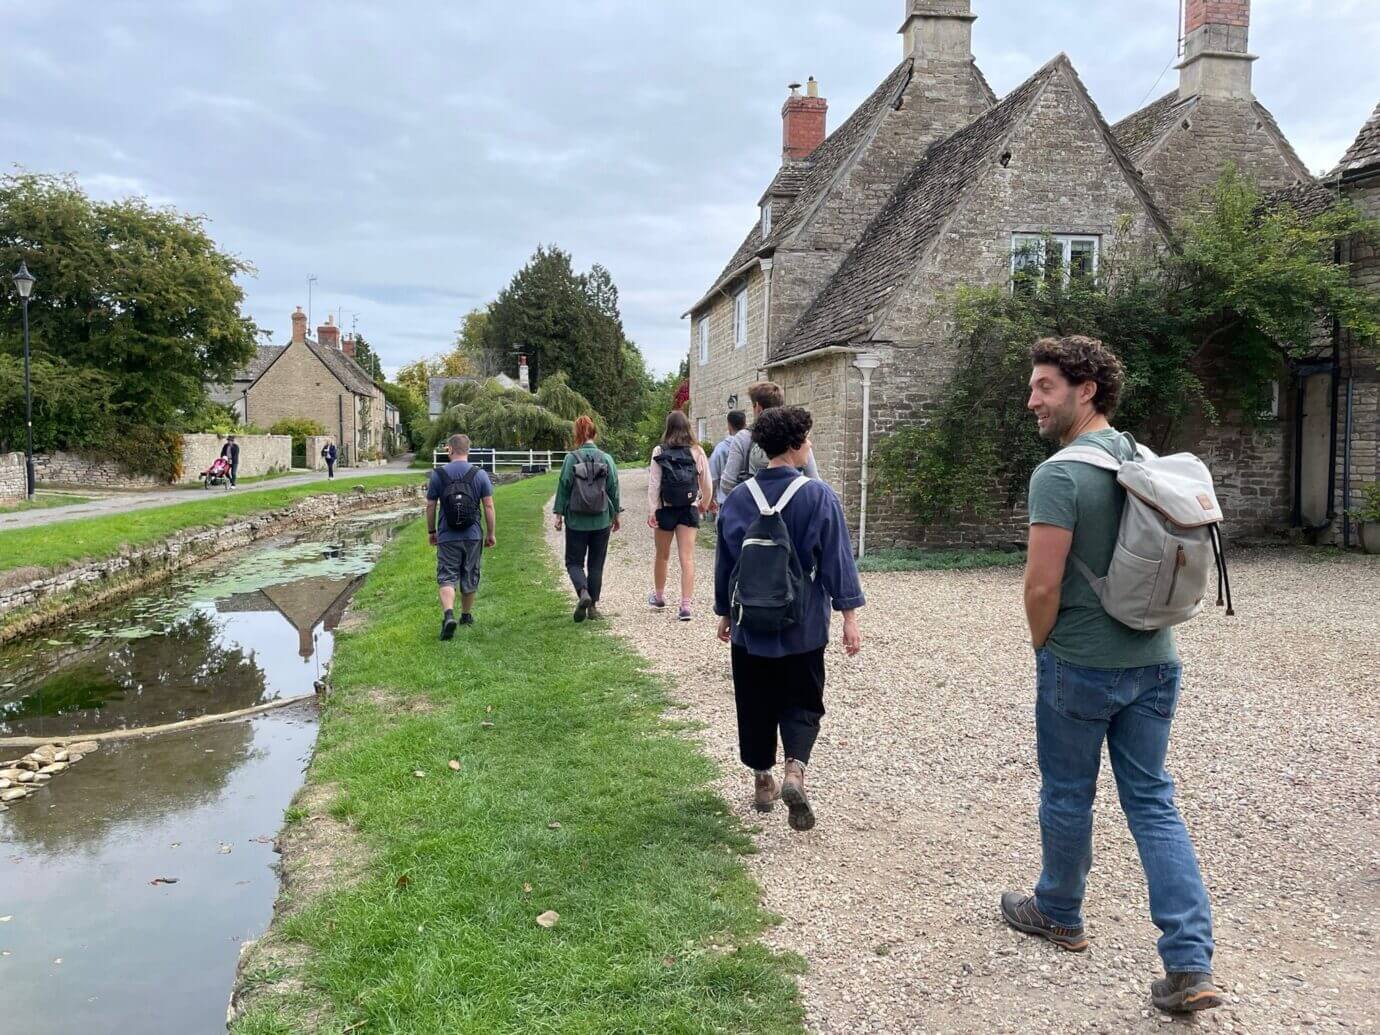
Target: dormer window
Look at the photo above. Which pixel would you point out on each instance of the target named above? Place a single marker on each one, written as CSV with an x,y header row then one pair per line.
x,y
766,220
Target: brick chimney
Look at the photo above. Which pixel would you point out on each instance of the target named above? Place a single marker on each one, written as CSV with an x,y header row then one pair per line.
x,y
328,334
804,122
939,31
299,326
347,346
524,376
1216,59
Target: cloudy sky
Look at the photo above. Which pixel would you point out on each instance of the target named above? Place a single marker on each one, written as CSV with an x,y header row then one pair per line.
x,y
412,154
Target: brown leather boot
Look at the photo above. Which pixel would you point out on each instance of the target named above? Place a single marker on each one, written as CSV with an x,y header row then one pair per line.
x,y
764,792
802,817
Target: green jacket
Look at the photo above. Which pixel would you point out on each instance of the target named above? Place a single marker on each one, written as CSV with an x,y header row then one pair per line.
x,y
586,522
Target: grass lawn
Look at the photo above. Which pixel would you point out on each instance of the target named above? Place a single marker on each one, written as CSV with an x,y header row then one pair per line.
x,y
97,537
579,798
940,560
43,501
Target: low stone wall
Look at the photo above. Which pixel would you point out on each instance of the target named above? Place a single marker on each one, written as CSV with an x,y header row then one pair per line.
x,y
259,454
138,567
77,470
13,484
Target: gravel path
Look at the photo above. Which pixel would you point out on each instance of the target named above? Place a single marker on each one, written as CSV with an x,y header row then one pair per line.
x,y
925,784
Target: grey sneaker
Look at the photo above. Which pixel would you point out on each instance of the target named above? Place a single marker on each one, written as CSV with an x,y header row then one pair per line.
x,y
1020,912
582,608
1185,992
685,614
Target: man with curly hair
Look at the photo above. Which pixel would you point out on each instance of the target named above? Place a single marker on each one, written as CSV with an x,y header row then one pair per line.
x,y
1100,681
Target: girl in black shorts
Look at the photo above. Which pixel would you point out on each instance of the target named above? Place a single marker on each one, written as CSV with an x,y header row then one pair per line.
x,y
678,494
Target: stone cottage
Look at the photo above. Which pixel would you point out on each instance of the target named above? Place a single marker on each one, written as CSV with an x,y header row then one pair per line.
x,y
319,380
839,290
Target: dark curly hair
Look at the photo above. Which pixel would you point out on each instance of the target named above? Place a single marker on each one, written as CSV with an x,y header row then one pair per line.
x,y
1082,359
782,428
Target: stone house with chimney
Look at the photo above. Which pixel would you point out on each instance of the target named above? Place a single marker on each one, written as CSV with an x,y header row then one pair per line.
x,y
842,290
318,379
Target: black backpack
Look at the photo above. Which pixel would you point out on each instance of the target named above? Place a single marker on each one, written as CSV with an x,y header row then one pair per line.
x,y
769,584
589,493
680,481
460,501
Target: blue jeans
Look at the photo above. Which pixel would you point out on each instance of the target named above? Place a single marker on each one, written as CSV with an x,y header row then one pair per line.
x,y
1131,709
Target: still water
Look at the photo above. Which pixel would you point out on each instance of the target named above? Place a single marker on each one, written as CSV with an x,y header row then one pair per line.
x,y
88,943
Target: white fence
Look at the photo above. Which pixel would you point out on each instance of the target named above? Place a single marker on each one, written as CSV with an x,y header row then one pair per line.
x,y
492,460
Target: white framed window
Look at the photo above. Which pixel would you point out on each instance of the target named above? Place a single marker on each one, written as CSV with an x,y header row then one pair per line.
x,y
704,340
1036,257
766,220
740,319
701,427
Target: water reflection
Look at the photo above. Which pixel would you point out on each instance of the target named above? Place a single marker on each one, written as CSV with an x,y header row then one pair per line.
x,y
219,638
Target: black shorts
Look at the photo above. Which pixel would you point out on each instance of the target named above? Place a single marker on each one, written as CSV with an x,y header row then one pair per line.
x,y
668,519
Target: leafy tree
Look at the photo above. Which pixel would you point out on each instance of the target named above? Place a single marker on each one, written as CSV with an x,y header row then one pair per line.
x,y
469,343
1206,325
509,418
72,405
415,375
368,359
411,408
142,294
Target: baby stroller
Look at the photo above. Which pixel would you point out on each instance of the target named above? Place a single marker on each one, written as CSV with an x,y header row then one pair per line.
x,y
217,474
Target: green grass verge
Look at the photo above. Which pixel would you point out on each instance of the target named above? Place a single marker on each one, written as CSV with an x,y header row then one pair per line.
x,y
45,501
658,918
99,537
940,560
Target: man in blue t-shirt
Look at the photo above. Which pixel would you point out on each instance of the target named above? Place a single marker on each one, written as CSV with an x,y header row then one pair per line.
x,y
459,551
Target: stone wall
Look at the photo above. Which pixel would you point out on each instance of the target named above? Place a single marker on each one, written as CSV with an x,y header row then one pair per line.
x,y
93,471
730,370
13,481
1360,363
259,454
315,443
138,567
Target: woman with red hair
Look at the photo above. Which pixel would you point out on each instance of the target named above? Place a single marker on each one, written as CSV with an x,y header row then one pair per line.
x,y
587,508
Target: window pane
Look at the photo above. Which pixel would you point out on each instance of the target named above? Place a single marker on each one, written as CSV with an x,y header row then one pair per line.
x,y
1083,258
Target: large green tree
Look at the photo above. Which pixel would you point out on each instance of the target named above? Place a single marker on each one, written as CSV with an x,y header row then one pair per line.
x,y
565,322
142,294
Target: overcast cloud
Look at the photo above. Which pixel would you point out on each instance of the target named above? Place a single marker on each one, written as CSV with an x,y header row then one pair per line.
x,y
412,154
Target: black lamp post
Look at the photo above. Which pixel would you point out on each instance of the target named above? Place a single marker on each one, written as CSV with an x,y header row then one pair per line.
x,y
24,284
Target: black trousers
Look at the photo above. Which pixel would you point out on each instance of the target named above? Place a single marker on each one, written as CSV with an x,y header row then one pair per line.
x,y
584,559
774,696
234,472
330,468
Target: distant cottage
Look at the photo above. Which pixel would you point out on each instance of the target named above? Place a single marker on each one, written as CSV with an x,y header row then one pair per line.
x,y
933,183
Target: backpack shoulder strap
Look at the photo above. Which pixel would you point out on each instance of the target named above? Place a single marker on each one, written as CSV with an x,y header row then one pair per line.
x,y
1090,455
790,492
762,505
469,476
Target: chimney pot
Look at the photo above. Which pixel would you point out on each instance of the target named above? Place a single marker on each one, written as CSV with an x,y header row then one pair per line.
x,y
299,326
328,334
524,377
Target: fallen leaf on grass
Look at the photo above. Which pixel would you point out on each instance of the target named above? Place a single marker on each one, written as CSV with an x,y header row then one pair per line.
x,y
553,825
164,880
668,961
454,764
419,774
404,881
486,725
488,709
549,919
526,890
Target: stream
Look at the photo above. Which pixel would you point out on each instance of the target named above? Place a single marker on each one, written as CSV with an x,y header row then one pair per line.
x,y
129,881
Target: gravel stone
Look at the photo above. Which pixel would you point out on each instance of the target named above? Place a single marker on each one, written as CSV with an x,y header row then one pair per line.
x,y
926,787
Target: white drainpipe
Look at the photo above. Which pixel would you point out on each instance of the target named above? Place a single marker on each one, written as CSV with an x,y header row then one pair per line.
x,y
865,364
766,265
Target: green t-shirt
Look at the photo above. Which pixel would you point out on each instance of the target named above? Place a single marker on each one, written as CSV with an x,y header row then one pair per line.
x,y
1088,501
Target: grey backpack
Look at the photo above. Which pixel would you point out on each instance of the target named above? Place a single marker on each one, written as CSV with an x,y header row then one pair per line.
x,y
589,492
1169,541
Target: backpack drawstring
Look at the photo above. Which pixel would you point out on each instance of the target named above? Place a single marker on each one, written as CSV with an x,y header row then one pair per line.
x,y
1223,577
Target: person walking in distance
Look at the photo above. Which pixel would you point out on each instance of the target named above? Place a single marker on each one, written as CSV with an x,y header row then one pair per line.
x,y
784,559
743,461
587,508
456,495
1098,681
678,494
231,452
737,421
329,454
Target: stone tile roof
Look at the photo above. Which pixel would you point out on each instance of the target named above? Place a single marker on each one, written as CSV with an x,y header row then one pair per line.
x,y
1365,152
346,370
1307,199
892,246
1290,155
256,366
1140,132
788,180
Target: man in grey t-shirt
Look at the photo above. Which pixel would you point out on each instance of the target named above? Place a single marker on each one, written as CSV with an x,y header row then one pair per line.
x,y
1098,681
745,459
